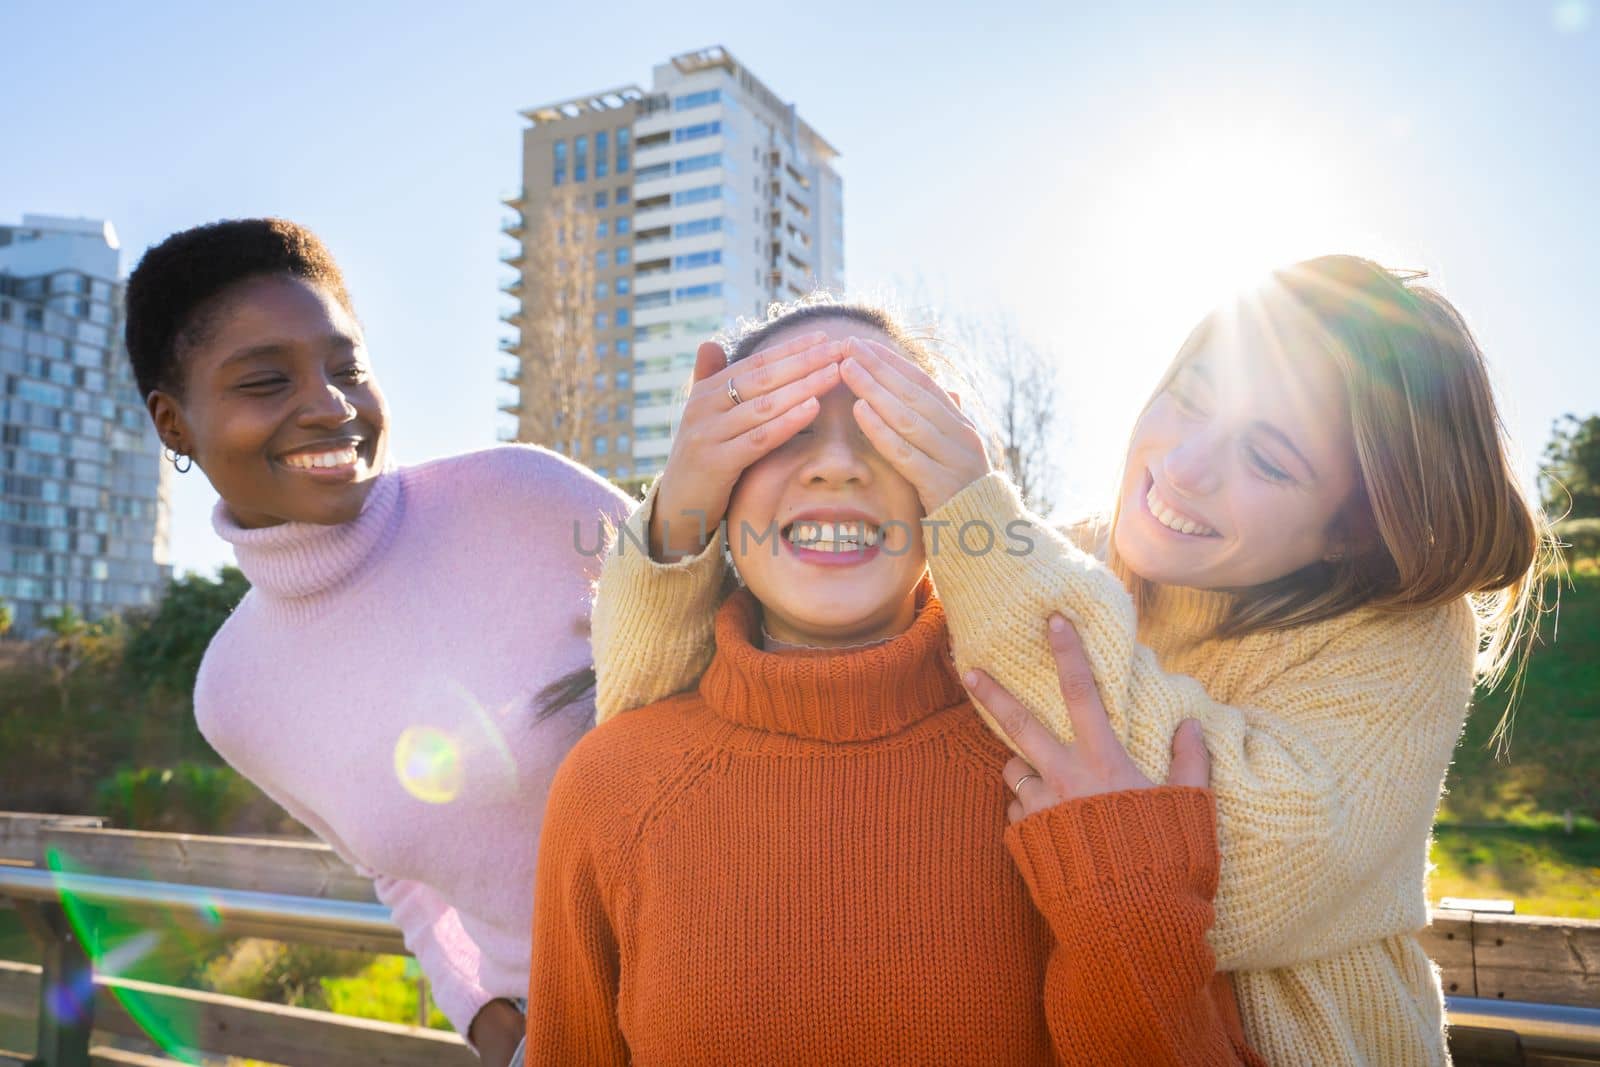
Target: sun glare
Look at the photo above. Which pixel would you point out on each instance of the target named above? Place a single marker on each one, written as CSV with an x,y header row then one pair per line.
x,y
1180,216
1210,214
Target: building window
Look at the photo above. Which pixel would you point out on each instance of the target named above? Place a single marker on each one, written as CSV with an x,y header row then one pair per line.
x,y
698,292
602,291
622,316
652,172
602,349
624,442
600,258
695,227
623,378
696,132
600,444
560,176
689,101
602,229
698,195
580,158
690,164
623,140
624,224
622,412
695,260
658,299
602,157
601,197
601,320
624,254
623,284
624,346
622,195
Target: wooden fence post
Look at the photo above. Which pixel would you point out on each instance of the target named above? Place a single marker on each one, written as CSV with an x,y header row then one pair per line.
x,y
66,987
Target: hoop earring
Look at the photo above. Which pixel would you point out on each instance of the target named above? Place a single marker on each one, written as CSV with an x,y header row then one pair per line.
x,y
182,462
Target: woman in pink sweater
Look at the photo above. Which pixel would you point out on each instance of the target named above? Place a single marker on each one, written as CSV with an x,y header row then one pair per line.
x,y
401,675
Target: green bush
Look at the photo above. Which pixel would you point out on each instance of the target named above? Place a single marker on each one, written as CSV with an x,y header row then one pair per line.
x,y
325,979
280,973
189,798
385,990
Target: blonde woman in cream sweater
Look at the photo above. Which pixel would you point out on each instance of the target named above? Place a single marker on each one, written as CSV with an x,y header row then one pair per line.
x,y
1318,547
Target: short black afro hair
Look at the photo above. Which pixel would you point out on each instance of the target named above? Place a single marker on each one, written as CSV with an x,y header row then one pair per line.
x,y
179,276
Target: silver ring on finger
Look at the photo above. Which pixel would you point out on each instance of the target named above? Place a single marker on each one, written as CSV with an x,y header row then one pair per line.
x,y
1018,783
733,394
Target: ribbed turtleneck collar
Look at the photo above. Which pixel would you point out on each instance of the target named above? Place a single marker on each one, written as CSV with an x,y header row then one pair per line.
x,y
854,695
302,559
1178,616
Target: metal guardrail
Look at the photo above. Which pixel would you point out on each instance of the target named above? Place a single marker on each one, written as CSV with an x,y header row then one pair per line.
x,y
293,918
1553,1029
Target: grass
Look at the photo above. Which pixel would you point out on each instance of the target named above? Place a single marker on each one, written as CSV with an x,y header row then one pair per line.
x,y
1502,827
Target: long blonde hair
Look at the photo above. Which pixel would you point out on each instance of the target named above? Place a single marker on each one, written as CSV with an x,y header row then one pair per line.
x,y
1438,512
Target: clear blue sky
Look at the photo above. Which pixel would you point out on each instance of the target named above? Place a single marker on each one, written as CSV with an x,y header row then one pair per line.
x,y
1095,172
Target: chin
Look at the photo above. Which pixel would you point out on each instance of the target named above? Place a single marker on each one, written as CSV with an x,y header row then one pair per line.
x,y
344,507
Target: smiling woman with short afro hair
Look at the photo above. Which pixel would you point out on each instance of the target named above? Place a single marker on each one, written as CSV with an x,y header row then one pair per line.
x,y
396,613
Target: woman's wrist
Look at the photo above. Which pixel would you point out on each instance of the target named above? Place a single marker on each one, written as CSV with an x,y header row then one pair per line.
x,y
495,1031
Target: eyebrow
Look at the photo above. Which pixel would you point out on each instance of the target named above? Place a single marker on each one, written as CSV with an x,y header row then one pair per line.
x,y
1283,439
341,341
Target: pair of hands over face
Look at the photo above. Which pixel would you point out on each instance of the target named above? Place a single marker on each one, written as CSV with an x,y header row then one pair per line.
x,y
921,430
912,422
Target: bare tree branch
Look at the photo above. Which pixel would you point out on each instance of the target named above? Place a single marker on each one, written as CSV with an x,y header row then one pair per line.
x,y
1019,383
557,321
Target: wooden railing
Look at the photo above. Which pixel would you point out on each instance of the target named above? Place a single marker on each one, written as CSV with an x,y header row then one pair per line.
x,y
233,887
1524,991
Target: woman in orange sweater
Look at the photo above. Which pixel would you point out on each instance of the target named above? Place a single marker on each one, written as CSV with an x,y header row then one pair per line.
x,y
806,859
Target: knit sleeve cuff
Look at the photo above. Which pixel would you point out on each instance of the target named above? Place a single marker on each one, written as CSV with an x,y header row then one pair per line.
x,y
653,622
1128,851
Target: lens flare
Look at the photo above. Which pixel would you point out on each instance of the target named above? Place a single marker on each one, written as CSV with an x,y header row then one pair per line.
x,y
120,945
1570,16
428,763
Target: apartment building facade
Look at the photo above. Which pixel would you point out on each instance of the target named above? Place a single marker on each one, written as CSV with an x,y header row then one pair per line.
x,y
83,511
682,208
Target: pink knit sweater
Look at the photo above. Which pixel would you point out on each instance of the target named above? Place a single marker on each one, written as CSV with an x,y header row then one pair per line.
x,y
379,680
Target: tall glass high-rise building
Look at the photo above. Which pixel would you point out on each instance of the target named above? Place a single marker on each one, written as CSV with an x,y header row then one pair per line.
x,y
683,208
83,517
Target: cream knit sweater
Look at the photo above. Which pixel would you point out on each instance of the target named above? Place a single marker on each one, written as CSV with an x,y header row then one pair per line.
x,y
1329,744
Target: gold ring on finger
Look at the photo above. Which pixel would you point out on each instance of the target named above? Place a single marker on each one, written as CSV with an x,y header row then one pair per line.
x,y
1019,781
733,394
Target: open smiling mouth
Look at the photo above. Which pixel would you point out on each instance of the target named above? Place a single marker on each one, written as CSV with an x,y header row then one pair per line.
x,y
824,542
327,460
1168,516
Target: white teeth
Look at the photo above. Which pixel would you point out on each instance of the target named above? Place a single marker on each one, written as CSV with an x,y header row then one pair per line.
x,y
1170,519
833,536
314,461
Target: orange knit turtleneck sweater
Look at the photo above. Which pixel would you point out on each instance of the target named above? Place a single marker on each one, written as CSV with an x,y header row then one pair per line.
x,y
806,861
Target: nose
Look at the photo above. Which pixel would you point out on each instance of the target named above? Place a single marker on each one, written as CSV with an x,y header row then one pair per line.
x,y
837,456
1191,466
326,406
